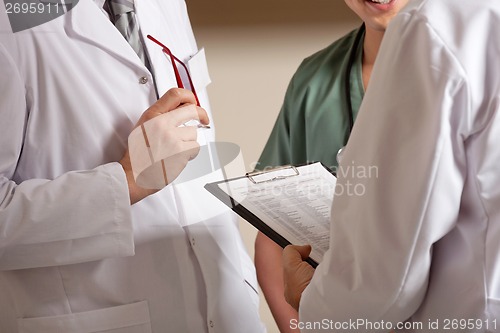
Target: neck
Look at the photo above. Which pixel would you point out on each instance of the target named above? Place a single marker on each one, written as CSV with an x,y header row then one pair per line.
x,y
371,45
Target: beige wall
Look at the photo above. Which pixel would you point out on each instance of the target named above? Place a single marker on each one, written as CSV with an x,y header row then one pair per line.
x,y
253,49
273,12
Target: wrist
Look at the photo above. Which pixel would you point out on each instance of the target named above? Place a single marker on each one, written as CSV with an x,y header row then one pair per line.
x,y
136,193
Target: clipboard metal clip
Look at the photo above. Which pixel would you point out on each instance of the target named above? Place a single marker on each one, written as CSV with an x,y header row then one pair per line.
x,y
279,173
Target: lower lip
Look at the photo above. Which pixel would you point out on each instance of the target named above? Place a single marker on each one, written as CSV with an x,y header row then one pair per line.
x,y
381,6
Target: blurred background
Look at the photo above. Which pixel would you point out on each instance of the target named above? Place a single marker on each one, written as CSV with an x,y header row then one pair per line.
x,y
253,48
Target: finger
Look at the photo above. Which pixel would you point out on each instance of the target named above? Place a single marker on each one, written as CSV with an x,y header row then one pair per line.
x,y
304,250
186,113
191,149
293,254
187,133
172,99
185,152
203,116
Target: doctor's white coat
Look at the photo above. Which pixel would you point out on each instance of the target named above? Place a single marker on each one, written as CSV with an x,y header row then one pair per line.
x,y
422,241
74,255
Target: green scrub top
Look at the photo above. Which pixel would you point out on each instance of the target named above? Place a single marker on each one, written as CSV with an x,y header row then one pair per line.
x,y
313,123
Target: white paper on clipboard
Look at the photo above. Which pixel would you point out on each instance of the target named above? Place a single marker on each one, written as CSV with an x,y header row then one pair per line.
x,y
295,202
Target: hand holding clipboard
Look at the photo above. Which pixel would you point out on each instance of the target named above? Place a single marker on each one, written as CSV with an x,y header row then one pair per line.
x,y
290,205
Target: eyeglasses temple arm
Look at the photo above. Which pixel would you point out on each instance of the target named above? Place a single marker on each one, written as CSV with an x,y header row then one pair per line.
x,y
173,58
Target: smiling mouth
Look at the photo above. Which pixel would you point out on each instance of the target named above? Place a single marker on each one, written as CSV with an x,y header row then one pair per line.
x,y
383,2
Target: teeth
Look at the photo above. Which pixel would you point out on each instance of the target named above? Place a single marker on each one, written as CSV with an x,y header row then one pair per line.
x,y
381,1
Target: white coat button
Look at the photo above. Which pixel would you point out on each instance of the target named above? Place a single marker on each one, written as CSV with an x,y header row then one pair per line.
x,y
192,241
211,324
143,80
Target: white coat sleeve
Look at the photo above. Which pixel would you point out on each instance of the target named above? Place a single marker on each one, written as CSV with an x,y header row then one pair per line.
x,y
399,185
80,216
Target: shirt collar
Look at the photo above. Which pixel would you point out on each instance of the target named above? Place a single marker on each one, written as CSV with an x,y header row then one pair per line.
x,y
100,3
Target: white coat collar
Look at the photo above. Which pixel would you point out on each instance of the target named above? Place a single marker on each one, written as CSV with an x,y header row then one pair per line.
x,y
100,3
87,22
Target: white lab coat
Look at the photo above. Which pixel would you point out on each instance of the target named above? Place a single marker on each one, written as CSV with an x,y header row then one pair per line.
x,y
74,255
421,239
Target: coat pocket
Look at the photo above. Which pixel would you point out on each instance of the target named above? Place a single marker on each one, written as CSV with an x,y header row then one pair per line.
x,y
129,318
199,70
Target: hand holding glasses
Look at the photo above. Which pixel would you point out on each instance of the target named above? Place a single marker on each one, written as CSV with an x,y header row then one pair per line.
x,y
178,78
165,138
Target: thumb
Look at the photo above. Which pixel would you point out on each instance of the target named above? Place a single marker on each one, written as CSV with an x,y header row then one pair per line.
x,y
296,253
304,250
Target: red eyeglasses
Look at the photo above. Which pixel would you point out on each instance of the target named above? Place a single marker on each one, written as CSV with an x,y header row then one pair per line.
x,y
174,59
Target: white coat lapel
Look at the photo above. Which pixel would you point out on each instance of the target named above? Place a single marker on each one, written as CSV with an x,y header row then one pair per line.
x,y
88,23
169,30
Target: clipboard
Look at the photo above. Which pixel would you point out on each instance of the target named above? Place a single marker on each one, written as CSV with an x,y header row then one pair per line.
x,y
259,211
